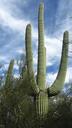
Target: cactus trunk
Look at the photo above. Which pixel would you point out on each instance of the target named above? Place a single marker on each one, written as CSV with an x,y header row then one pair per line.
x,y
42,98
42,104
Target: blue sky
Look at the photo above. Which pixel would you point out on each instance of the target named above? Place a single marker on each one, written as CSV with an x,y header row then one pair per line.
x,y
16,14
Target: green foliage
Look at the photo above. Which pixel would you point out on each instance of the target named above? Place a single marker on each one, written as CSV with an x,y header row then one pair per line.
x,y
16,108
60,115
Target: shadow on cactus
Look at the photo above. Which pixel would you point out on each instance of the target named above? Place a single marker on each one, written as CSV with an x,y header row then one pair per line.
x,y
27,94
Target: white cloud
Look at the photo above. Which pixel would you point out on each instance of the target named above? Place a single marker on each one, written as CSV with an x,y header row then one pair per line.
x,y
13,2
2,57
20,51
64,17
16,67
53,45
7,10
8,20
53,50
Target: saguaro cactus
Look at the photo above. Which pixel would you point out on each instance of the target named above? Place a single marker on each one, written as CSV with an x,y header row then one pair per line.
x,y
41,93
9,73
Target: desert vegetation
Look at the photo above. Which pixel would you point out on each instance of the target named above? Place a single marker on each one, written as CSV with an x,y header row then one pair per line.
x,y
24,101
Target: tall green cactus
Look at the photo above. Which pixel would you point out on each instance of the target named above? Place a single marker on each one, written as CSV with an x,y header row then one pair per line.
x,y
41,93
9,73
41,65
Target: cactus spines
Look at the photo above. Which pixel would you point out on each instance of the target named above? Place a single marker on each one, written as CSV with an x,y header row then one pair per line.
x,y
9,73
41,66
59,82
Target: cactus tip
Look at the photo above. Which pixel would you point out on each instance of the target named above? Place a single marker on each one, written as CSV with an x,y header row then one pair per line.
x,y
42,4
66,33
66,36
29,26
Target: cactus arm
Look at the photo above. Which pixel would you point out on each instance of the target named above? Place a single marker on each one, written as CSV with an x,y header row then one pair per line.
x,y
28,44
41,65
9,73
29,58
59,82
